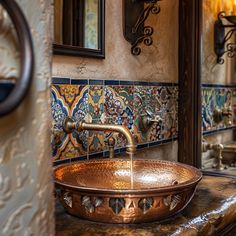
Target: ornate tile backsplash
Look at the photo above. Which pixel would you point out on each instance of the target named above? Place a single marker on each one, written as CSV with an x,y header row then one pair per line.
x,y
121,102
217,97
116,102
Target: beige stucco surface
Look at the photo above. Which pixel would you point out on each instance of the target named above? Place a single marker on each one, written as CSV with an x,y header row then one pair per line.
x,y
211,71
26,188
158,62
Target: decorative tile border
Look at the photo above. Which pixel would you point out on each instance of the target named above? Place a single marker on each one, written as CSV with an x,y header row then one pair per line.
x,y
217,96
108,101
105,154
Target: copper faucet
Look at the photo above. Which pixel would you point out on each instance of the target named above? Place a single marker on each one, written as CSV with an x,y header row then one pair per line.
x,y
111,146
69,126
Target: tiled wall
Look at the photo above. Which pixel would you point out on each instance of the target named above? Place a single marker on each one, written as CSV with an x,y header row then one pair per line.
x,y
217,96
116,102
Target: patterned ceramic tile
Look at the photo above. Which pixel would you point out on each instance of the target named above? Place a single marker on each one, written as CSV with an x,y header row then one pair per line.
x,y
69,100
155,132
116,104
208,105
96,101
157,99
119,138
96,141
170,125
59,110
118,101
142,98
223,97
71,151
214,98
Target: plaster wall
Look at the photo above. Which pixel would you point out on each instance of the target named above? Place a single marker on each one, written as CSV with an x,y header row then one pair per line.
x,y
158,62
213,73
26,188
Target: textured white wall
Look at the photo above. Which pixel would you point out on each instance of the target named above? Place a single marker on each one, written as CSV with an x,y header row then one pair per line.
x,y
26,199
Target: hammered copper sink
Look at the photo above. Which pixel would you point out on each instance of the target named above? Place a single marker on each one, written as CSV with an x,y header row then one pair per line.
x,y
106,191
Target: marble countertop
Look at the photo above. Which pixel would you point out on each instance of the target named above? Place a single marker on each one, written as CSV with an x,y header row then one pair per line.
x,y
211,210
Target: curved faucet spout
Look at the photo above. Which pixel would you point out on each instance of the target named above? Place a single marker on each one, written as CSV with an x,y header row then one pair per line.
x,y
69,126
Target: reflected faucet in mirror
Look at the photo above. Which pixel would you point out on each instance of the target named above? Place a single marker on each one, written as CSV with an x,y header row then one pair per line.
x,y
224,114
217,148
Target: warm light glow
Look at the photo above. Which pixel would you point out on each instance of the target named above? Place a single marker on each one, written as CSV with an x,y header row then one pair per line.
x,y
229,7
234,7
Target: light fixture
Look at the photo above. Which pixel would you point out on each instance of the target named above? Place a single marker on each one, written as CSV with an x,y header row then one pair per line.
x,y
136,13
223,45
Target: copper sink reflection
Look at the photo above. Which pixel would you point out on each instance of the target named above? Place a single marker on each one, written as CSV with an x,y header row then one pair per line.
x,y
106,191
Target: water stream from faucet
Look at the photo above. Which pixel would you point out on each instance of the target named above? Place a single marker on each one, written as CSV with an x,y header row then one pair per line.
x,y
131,155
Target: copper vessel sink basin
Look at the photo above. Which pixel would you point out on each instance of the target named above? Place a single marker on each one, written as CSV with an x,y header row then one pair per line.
x,y
108,191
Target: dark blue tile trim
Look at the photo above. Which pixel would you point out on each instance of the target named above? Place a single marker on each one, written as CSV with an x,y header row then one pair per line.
x,y
122,150
83,158
56,163
160,84
112,82
140,83
175,138
96,82
106,154
96,155
156,143
206,133
79,82
219,85
59,80
140,146
123,82
167,140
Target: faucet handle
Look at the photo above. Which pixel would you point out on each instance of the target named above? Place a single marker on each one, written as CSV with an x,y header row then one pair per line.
x,y
111,145
145,121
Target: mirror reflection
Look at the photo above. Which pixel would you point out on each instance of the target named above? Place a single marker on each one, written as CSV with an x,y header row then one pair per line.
x,y
76,23
218,90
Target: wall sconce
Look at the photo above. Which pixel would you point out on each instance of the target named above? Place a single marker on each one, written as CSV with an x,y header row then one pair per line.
x,y
135,13
221,39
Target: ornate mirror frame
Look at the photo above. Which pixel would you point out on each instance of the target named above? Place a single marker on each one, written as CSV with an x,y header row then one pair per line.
x,y
87,52
190,102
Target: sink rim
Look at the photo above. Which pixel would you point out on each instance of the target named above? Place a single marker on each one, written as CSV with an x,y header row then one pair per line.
x,y
197,176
